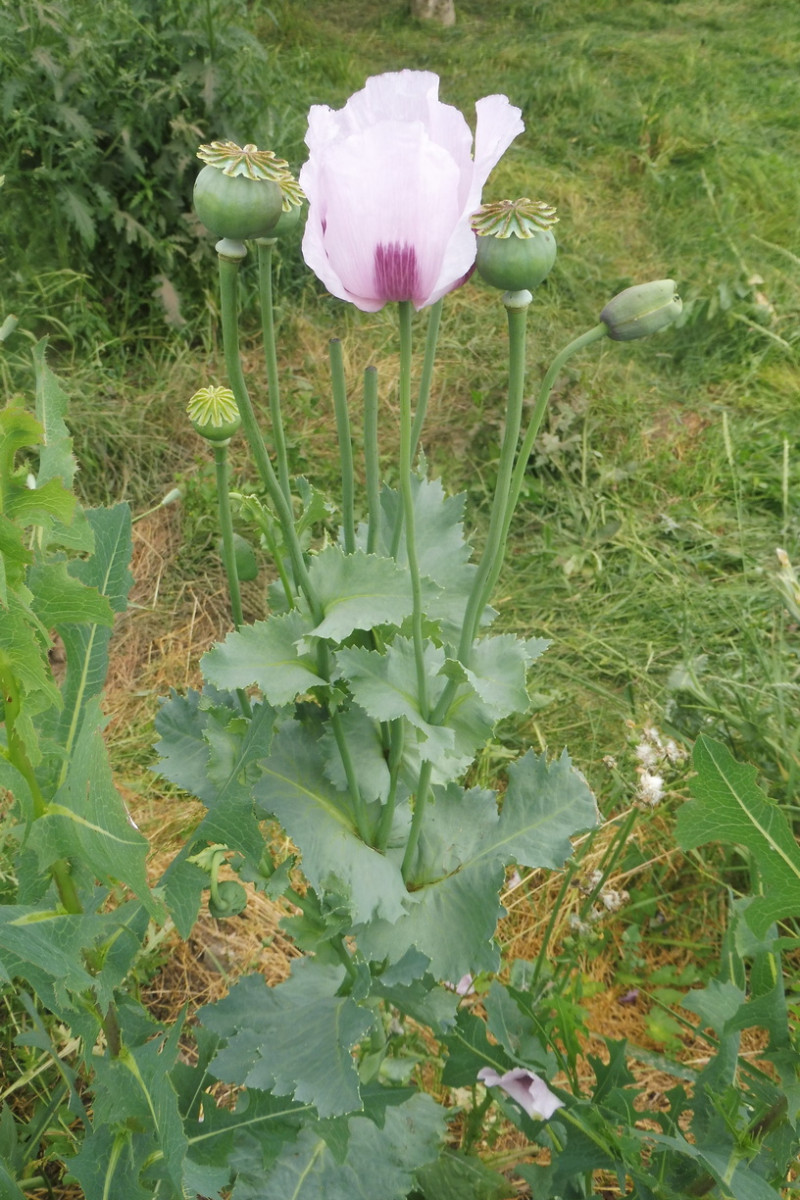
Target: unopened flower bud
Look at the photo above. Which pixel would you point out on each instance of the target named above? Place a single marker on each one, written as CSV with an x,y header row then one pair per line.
x,y
516,248
228,899
641,310
214,414
244,556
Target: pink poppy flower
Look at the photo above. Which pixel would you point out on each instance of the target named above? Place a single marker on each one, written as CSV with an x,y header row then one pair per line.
x,y
529,1091
392,183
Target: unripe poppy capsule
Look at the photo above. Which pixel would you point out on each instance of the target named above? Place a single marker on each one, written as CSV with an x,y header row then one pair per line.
x,y
242,191
516,248
214,414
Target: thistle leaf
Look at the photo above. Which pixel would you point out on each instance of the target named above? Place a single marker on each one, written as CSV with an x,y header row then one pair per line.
x,y
729,807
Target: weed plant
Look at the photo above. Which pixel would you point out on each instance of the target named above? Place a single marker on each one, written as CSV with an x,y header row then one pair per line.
x,y
103,108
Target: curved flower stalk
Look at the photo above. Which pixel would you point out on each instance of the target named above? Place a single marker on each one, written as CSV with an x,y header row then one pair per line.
x,y
392,183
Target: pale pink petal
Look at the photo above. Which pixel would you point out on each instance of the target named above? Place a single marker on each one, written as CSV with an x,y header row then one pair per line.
x,y
499,122
385,97
392,186
529,1091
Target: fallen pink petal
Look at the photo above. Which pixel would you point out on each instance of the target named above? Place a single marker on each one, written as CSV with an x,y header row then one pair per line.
x,y
529,1091
392,183
464,987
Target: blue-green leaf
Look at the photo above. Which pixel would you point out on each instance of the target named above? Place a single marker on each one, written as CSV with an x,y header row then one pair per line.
x,y
544,805
453,905
294,1039
319,820
497,672
455,1176
385,686
380,1165
265,654
358,591
442,553
210,750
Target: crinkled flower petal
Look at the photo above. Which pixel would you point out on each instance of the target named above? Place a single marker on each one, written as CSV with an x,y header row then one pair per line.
x,y
392,184
529,1091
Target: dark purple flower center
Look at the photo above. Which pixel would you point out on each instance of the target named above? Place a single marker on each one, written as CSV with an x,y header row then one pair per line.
x,y
396,275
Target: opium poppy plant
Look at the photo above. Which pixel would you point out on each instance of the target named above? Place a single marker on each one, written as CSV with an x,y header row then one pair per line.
x,y
392,181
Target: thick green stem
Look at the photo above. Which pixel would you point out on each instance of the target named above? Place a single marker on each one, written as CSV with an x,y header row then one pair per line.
x,y
371,458
310,908
494,549
226,529
339,386
228,551
431,338
420,803
228,278
359,807
396,742
408,504
270,353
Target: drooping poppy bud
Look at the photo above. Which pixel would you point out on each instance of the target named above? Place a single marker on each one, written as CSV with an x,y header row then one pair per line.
x,y
641,310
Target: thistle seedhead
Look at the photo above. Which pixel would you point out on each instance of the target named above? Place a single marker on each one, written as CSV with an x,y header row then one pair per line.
x,y
523,218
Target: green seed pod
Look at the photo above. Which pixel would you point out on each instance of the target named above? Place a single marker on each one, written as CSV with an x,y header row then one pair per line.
x,y
236,207
230,900
214,414
287,221
242,191
516,248
641,310
246,561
